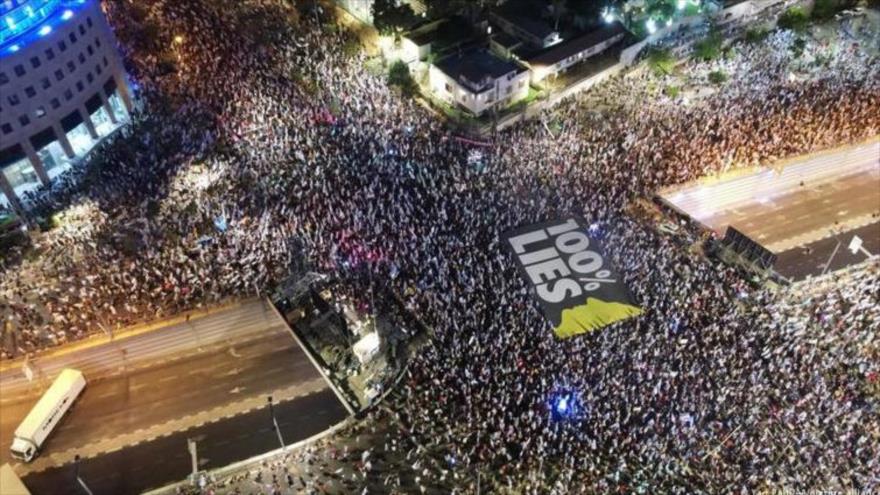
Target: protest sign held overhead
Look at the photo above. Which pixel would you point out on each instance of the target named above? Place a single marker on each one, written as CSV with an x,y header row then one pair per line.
x,y
578,289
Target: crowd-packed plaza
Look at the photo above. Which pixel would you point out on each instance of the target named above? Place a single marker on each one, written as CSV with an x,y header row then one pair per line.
x,y
259,136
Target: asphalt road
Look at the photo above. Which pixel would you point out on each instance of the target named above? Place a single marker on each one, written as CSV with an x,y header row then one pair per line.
x,y
145,389
166,460
797,263
136,400
794,207
808,210
100,357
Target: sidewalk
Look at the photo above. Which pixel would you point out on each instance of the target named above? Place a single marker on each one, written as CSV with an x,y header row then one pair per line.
x,y
778,166
350,458
244,474
132,331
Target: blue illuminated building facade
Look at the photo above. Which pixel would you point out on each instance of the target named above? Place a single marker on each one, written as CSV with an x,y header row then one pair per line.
x,y
20,16
62,90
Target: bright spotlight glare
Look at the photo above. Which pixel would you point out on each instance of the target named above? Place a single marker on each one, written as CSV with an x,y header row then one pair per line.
x,y
562,405
45,30
608,15
67,14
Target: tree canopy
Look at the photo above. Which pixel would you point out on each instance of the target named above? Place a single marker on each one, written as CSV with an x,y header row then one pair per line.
x,y
389,17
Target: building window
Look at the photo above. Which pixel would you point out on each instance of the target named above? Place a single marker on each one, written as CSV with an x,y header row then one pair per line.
x,y
30,91
90,78
13,99
81,58
59,75
89,21
24,120
117,106
3,78
98,42
79,86
104,61
509,89
54,159
47,159
90,50
7,129
35,62
44,83
80,139
82,29
50,54
40,111
72,37
448,88
54,103
98,69
62,45
22,176
68,94
19,70
71,67
101,121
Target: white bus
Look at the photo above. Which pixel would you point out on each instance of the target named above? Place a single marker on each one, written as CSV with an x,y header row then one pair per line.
x,y
39,423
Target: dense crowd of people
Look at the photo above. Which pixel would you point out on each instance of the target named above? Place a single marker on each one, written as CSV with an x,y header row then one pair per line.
x,y
262,140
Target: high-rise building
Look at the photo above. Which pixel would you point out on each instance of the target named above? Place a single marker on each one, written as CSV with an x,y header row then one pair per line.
x,y
62,89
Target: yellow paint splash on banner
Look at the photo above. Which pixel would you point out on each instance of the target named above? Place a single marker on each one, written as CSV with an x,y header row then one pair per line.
x,y
592,316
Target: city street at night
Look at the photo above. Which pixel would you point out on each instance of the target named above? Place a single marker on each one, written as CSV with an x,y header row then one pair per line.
x,y
434,247
809,198
208,376
165,460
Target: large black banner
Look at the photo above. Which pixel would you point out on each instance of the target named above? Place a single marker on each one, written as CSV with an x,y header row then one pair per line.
x,y
577,287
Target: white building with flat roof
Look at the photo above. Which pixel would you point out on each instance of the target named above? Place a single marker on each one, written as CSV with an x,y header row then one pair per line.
x,y
478,80
557,59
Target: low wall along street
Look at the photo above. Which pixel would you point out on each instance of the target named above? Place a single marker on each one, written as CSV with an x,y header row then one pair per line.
x,y
578,289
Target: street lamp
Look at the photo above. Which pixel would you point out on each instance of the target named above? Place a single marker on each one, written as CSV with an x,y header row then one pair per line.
x,y
76,475
833,253
176,42
275,422
194,457
608,15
